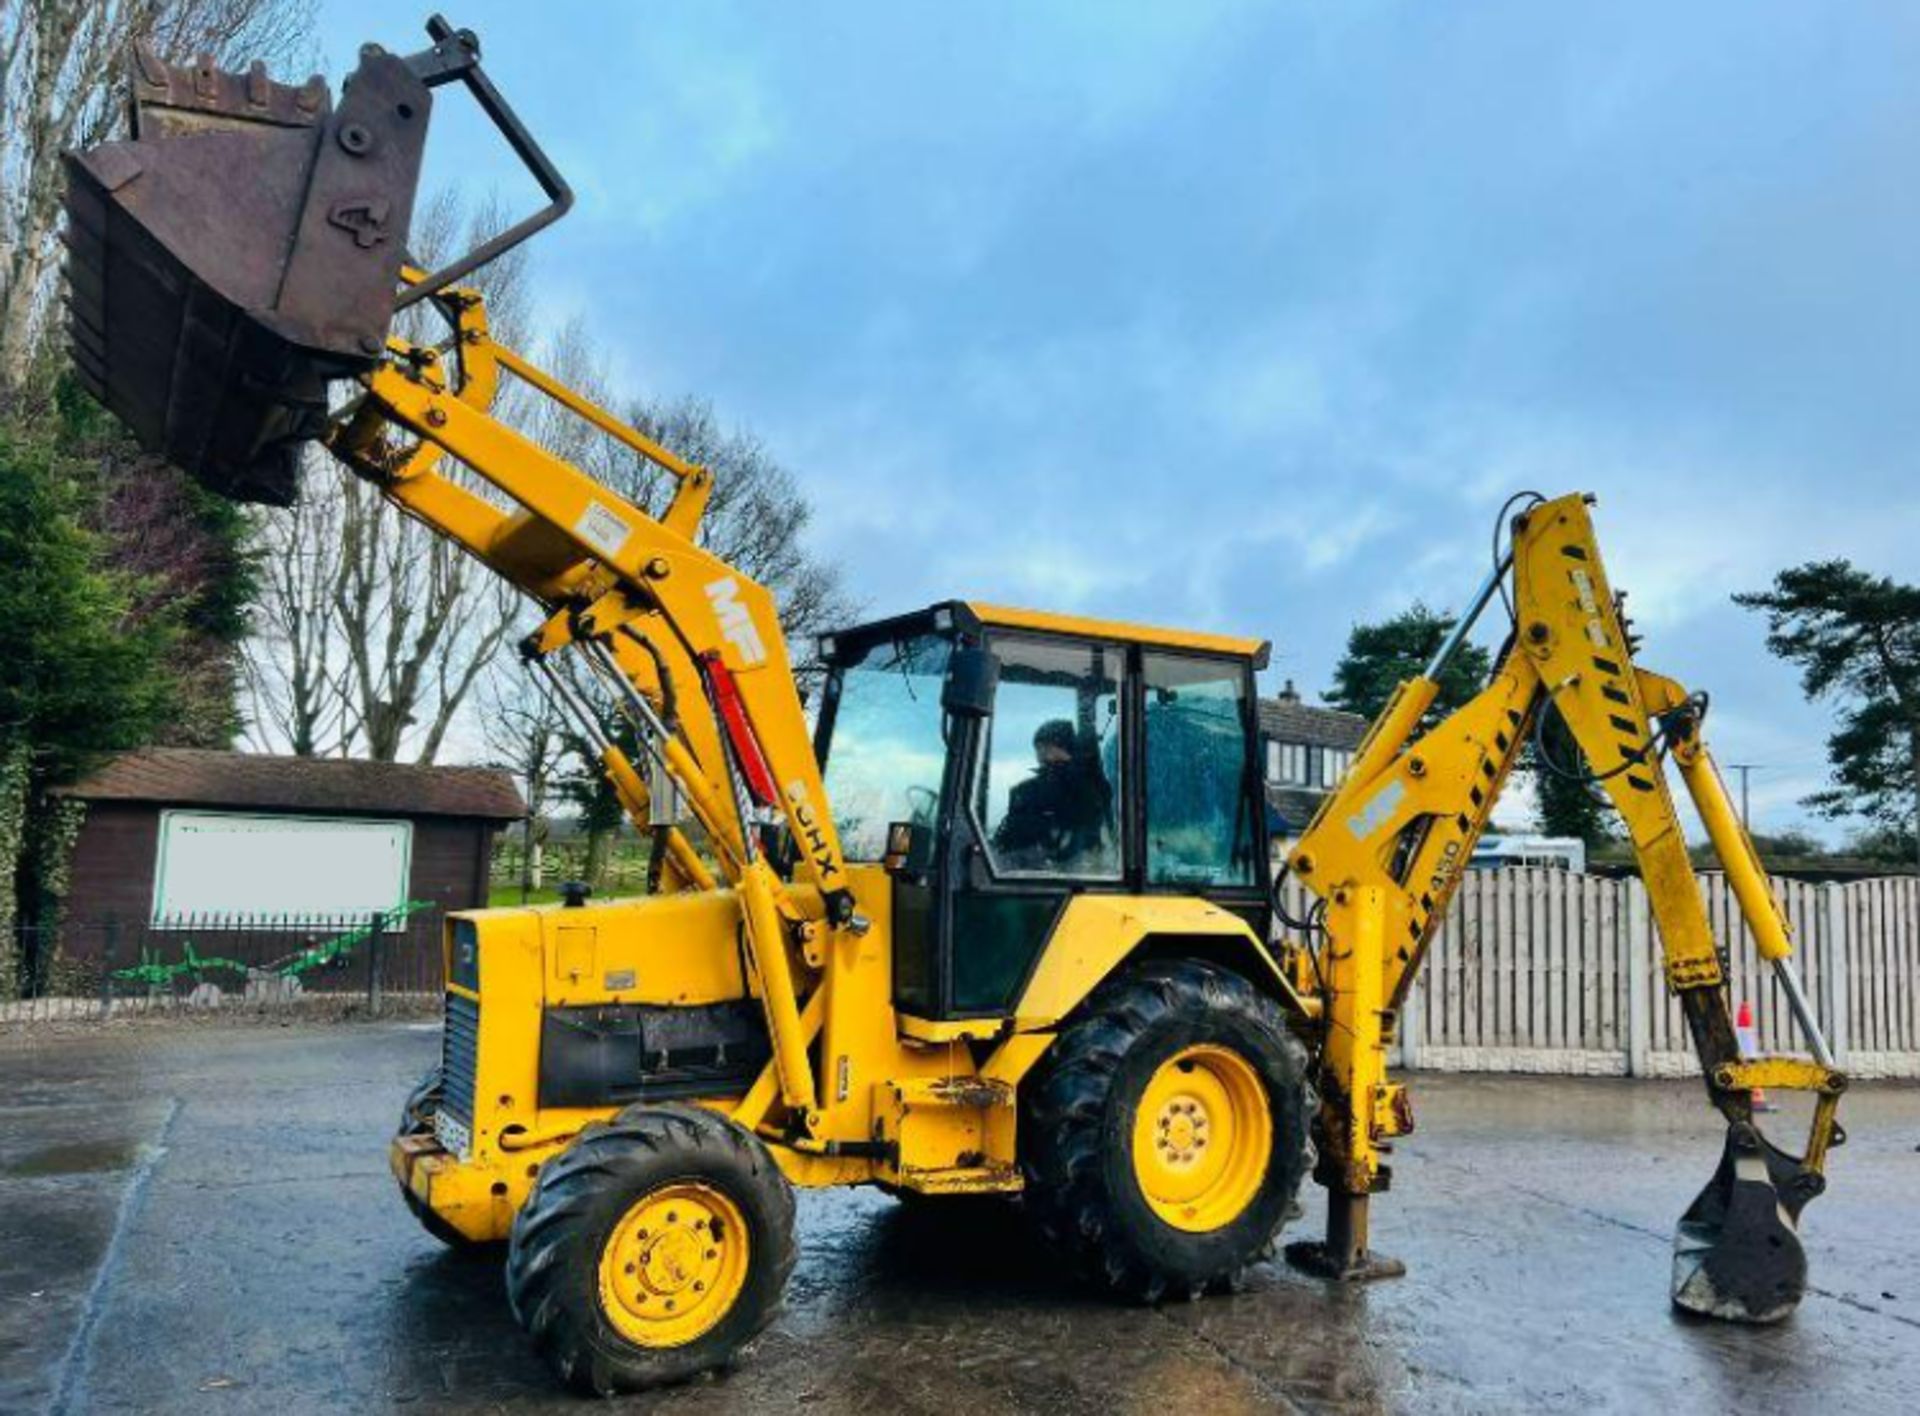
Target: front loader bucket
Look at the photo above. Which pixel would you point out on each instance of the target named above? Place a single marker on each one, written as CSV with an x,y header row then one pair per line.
x,y
1736,1252
238,252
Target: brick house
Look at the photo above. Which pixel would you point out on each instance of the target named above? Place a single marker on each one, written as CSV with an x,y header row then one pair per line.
x,y
1308,750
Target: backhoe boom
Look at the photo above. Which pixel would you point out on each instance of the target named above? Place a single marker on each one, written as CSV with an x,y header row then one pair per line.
x,y
1385,852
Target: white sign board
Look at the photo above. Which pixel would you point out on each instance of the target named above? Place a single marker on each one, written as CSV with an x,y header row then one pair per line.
x,y
219,863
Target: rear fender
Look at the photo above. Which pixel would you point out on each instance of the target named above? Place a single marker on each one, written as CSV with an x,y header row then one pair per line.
x,y
1100,934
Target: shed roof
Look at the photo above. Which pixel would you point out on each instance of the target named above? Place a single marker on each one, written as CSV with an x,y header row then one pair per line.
x,y
185,776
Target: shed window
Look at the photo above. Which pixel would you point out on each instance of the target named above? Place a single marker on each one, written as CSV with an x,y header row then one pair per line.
x,y
225,865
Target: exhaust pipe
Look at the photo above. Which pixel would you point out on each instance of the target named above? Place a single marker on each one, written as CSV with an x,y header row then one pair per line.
x,y
244,248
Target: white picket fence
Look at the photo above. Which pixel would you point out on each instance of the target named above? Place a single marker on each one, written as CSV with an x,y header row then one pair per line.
x,y
1539,970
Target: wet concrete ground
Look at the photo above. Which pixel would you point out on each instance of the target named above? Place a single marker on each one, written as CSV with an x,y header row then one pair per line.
x,y
202,1220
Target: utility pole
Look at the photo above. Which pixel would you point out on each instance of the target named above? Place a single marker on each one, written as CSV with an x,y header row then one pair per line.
x,y
1743,768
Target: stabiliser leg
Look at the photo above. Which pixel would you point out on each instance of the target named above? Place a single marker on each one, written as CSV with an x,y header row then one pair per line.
x,y
1343,1255
1360,1110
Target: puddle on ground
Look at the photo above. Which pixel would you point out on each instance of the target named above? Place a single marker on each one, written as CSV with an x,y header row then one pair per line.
x,y
79,1158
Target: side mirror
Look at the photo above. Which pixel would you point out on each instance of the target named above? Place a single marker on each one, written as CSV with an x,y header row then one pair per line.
x,y
909,849
972,674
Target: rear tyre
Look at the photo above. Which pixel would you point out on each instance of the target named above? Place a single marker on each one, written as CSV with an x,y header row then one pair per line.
x,y
1166,1137
652,1249
416,1119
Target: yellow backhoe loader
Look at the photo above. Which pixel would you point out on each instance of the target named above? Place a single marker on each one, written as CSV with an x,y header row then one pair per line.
x,y
999,922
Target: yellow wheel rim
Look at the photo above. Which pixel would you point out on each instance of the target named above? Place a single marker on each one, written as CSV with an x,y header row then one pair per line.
x,y
674,1265
1202,1138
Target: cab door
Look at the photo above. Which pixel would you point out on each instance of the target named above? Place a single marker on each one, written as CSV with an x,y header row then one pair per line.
x,y
1039,813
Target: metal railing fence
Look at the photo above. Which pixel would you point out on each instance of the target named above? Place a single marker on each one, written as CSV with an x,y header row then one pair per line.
x,y
96,967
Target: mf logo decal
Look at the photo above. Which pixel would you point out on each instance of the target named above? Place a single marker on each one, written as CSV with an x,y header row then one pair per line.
x,y
813,838
736,623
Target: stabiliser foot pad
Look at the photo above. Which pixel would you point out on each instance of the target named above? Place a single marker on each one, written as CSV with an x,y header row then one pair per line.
x,y
1314,1257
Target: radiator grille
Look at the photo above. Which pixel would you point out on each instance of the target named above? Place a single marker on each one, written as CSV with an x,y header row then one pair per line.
x,y
460,1059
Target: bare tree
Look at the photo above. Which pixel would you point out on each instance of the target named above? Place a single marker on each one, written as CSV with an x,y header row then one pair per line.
x,y
419,620
526,733
294,663
60,72
756,518
372,630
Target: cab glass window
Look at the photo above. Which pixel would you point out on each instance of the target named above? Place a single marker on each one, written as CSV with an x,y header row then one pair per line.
x,y
1049,777
1200,830
885,756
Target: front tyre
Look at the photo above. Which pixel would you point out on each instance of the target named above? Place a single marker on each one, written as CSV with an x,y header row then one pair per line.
x,y
1167,1134
652,1249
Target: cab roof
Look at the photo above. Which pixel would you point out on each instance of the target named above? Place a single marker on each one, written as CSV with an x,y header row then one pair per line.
x,y
975,614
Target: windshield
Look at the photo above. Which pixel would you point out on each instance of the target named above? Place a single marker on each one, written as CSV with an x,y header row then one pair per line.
x,y
885,754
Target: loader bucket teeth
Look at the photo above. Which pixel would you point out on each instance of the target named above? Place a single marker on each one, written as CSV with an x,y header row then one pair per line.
x,y
1736,1252
242,249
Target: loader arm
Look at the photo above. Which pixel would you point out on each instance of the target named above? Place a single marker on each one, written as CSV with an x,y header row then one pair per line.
x,y
218,339
689,646
1385,852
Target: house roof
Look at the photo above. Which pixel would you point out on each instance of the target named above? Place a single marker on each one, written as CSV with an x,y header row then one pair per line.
x,y
1290,720
184,776
1296,805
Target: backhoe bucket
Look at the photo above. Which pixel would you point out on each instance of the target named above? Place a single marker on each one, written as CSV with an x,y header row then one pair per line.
x,y
1736,1252
241,250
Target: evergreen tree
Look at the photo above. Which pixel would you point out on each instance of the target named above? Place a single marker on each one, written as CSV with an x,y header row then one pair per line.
x,y
1856,639
1383,655
1567,805
84,669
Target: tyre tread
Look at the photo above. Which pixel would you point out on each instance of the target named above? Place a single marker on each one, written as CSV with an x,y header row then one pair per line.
x,y
1064,1112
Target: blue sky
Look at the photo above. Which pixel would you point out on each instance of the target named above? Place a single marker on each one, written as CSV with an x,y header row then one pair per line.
x,y
1248,317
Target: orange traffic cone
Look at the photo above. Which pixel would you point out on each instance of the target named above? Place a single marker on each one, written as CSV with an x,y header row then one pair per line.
x,y
1749,1047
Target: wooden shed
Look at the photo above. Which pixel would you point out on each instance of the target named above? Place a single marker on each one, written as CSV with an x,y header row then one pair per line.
x,y
174,834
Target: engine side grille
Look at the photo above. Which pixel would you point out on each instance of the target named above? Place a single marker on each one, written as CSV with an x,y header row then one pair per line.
x,y
460,1059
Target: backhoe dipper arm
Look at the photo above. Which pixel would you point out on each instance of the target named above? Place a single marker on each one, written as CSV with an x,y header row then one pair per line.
x,y
1385,851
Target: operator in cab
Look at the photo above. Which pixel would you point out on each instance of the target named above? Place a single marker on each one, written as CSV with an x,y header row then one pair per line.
x,y
1059,815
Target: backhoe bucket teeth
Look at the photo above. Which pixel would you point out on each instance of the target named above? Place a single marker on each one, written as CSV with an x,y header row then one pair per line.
x,y
242,249
1736,1252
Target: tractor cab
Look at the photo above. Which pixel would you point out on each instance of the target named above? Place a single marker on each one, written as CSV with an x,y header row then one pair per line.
x,y
1000,762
